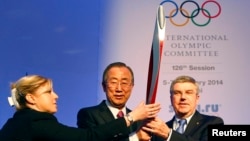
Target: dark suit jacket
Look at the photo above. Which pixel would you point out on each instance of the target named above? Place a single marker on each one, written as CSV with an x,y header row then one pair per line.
x,y
31,125
97,115
196,129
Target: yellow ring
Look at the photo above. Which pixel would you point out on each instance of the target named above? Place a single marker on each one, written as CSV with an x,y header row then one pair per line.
x,y
171,20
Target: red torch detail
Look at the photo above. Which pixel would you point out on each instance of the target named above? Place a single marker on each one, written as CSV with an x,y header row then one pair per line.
x,y
155,56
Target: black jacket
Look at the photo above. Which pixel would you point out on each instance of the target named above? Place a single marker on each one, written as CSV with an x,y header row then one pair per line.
x,y
98,115
196,129
31,125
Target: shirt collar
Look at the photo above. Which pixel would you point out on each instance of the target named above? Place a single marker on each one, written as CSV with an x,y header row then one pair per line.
x,y
188,119
114,110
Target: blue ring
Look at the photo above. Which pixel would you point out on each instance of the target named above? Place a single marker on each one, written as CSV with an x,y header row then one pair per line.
x,y
175,6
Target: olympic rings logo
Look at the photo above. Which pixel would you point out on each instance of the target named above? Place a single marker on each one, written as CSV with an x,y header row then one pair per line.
x,y
193,14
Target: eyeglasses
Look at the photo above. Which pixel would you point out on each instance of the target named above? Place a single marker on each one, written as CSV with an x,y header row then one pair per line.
x,y
114,84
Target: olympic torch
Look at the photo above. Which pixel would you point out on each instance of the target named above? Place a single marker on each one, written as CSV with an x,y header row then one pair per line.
x,y
155,56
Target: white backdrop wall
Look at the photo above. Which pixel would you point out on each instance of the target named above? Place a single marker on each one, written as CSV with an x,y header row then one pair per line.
x,y
214,54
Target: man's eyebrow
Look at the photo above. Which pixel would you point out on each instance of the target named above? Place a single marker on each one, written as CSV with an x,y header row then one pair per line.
x,y
125,78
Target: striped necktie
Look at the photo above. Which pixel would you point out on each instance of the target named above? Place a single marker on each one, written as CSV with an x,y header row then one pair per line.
x,y
182,123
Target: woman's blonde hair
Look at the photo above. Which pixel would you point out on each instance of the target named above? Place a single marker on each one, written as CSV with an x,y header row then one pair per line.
x,y
25,85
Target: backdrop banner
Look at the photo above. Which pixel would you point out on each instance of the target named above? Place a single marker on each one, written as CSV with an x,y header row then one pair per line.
x,y
207,40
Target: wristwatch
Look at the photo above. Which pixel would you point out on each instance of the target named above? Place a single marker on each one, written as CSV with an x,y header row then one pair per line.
x,y
130,118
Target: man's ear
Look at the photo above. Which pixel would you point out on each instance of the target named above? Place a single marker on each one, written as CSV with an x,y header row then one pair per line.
x,y
104,86
30,98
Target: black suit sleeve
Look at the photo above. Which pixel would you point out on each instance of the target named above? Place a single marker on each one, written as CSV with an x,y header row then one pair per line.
x,y
85,120
55,131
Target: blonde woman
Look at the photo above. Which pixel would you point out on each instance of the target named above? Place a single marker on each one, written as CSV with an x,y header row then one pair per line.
x,y
36,102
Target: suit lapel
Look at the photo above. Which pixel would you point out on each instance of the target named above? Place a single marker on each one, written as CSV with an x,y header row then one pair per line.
x,y
194,123
171,123
105,113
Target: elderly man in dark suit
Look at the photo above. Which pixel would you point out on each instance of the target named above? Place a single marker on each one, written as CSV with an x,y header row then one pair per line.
x,y
187,124
117,83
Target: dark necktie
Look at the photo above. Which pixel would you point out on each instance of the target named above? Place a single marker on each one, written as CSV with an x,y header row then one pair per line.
x,y
181,122
120,114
